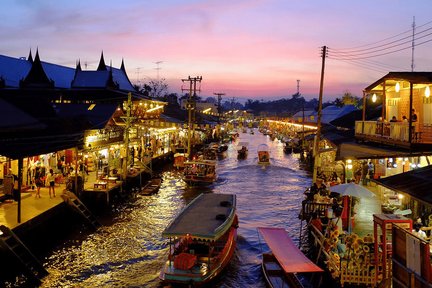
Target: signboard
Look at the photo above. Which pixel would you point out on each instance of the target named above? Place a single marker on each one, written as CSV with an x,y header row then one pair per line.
x,y
98,138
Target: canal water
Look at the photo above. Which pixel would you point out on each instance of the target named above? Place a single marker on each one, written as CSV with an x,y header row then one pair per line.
x,y
128,251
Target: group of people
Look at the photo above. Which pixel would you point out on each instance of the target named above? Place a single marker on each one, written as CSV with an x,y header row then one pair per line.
x,y
404,118
40,180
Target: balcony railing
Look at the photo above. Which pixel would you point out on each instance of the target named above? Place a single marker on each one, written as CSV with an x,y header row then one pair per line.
x,y
397,131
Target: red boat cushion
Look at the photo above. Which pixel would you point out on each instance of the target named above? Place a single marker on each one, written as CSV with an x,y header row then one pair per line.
x,y
184,261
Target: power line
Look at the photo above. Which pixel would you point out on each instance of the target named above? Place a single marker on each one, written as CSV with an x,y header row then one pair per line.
x,y
389,47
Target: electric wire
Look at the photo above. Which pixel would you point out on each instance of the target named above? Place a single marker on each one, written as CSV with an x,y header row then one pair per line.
x,y
383,49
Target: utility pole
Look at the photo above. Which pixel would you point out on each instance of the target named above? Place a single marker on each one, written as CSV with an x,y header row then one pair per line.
x,y
219,104
128,120
318,133
190,105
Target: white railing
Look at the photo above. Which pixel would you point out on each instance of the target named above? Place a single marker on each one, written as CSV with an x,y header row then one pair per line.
x,y
389,130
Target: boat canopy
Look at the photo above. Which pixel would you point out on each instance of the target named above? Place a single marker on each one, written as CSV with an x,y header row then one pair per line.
x,y
291,259
263,147
206,218
201,162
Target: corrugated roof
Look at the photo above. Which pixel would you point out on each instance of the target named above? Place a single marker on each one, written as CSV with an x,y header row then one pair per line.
x,y
416,183
91,79
413,77
15,69
206,208
14,118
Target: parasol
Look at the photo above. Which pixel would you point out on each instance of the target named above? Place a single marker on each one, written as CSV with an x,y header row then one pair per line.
x,y
351,189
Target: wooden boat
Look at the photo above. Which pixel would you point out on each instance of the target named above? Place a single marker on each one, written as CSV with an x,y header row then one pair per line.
x,y
202,240
200,172
263,155
243,151
151,187
280,267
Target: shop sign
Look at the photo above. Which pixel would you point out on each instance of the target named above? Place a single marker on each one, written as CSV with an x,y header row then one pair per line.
x,y
102,138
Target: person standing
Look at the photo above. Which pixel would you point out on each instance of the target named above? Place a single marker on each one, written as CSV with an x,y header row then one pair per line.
x,y
38,181
51,181
15,190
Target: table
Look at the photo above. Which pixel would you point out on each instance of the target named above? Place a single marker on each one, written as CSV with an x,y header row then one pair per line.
x,y
110,179
102,185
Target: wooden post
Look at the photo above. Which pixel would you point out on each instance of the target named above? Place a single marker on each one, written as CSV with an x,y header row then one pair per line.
x,y
410,127
20,177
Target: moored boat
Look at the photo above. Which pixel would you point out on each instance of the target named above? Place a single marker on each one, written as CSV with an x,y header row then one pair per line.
x,y
200,172
202,240
280,267
151,187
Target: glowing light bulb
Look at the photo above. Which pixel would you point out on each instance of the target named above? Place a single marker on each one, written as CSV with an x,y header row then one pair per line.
x,y
397,87
374,98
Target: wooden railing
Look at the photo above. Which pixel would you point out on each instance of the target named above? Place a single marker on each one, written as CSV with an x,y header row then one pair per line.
x,y
398,131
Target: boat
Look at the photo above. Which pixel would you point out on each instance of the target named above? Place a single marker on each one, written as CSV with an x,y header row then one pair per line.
x,y
282,265
151,187
252,132
202,240
200,172
263,154
180,156
242,150
222,148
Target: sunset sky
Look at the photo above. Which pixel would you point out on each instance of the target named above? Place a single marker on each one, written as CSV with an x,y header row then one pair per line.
x,y
247,49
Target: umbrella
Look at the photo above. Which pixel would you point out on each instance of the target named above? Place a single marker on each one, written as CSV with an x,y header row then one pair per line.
x,y
351,189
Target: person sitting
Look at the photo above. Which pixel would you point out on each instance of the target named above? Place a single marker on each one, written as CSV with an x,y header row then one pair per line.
x,y
393,119
418,232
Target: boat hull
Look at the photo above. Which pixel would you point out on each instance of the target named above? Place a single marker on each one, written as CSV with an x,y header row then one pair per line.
x,y
274,275
198,275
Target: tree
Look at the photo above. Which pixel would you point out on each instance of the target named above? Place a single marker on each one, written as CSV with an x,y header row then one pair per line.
x,y
156,88
211,100
349,99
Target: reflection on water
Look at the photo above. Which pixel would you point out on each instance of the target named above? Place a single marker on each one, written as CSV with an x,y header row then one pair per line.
x,y
129,252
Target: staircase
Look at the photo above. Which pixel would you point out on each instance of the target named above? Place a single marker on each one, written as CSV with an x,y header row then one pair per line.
x,y
33,269
82,209
73,201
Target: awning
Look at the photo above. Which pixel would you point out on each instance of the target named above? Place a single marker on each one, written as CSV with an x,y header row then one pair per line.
x,y
416,183
359,151
291,259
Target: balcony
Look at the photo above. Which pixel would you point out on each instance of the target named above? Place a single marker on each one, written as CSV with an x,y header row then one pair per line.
x,y
393,133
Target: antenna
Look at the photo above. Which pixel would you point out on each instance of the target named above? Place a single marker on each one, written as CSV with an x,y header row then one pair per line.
x,y
298,87
158,68
137,77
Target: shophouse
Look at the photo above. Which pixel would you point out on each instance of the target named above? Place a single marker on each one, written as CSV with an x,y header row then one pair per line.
x,y
63,118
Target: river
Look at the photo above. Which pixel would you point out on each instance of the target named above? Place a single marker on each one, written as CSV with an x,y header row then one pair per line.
x,y
128,251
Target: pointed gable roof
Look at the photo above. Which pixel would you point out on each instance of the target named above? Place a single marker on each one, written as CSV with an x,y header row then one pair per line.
x,y
30,57
101,66
36,77
122,66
